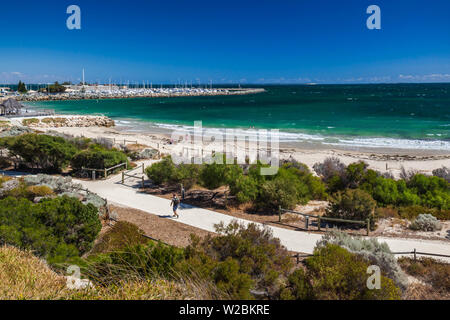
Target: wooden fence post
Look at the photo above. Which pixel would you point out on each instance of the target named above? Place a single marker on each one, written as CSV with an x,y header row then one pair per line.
x,y
143,169
279,213
106,173
318,223
143,183
307,223
368,226
415,257
123,177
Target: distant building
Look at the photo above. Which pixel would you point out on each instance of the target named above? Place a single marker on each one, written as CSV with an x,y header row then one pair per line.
x,y
5,90
10,107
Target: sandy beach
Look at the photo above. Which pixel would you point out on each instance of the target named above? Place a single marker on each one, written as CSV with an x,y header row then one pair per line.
x,y
380,159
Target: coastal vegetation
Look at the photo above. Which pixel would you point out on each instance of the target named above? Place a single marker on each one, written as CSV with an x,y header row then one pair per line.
x,y
293,183
55,229
354,192
98,157
56,88
55,154
21,87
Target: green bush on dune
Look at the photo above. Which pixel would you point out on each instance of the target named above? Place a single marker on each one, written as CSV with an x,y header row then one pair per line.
x,y
97,157
41,151
333,273
291,185
55,229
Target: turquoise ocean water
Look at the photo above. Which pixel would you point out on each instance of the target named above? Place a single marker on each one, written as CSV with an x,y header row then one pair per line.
x,y
397,115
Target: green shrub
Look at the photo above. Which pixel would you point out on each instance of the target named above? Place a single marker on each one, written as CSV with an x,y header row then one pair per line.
x,y
123,234
352,205
162,172
371,250
187,174
150,261
412,212
298,287
245,189
281,191
97,157
255,252
337,274
56,229
215,175
42,151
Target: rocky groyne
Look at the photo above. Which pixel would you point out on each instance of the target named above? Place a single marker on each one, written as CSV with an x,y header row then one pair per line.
x,y
124,94
74,121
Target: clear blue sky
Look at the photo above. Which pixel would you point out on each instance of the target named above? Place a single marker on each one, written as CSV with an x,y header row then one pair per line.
x,y
281,41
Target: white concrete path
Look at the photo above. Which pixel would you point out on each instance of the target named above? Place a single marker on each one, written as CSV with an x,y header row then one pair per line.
x,y
299,241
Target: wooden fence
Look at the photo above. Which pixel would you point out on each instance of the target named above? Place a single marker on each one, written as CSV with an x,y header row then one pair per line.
x,y
105,171
320,219
124,141
126,174
297,256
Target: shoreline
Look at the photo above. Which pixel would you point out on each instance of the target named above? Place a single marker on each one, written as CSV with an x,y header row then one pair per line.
x,y
392,161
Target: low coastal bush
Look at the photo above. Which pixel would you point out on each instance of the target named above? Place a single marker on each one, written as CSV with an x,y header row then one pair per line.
x,y
240,258
145,261
55,229
371,250
22,190
425,222
292,184
413,189
40,151
163,171
412,212
123,234
97,157
353,204
333,273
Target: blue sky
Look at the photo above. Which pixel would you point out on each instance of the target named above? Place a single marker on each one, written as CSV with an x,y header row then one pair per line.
x,y
295,41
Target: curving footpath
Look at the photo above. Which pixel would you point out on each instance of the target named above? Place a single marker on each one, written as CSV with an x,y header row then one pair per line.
x,y
128,195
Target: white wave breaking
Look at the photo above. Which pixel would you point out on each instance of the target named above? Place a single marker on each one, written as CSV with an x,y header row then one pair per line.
x,y
252,134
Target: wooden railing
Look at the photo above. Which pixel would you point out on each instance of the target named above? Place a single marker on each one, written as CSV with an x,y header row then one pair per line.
x,y
105,171
126,174
320,219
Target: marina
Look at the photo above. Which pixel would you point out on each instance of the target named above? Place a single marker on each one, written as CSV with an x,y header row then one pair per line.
x,y
93,92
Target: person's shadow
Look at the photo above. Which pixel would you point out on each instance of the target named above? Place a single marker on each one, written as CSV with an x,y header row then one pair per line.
x,y
184,206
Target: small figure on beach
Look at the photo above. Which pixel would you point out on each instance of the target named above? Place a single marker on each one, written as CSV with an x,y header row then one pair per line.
x,y
175,203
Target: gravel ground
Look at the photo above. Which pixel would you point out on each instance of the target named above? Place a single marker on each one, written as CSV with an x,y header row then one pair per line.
x,y
163,228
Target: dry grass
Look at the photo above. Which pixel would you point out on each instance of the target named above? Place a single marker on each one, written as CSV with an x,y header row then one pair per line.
x,y
25,277
434,275
28,122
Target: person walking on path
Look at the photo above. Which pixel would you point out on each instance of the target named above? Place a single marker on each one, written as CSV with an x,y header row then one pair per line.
x,y
175,203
